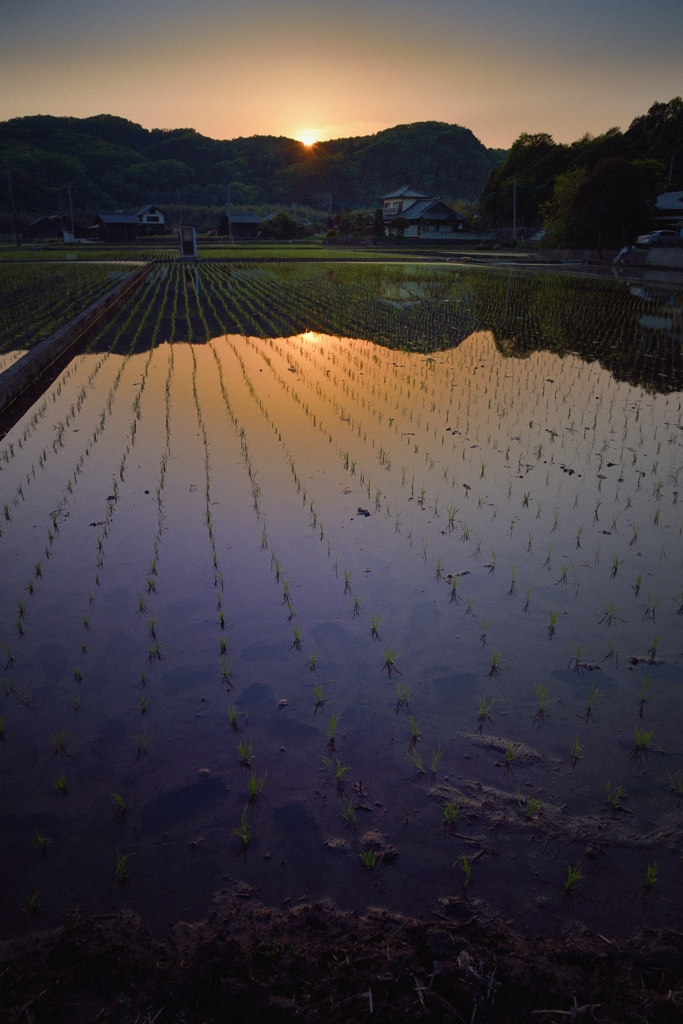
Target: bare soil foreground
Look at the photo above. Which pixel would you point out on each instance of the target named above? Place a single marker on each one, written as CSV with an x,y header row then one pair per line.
x,y
250,963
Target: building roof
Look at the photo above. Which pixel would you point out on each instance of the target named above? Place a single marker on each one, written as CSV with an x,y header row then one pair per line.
x,y
405,193
46,216
148,209
670,201
117,218
245,218
432,209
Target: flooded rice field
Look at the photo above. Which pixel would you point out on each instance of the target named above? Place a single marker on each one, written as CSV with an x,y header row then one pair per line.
x,y
37,300
362,583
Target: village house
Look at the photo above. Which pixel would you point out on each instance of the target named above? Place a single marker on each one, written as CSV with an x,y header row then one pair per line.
x,y
412,214
116,227
244,225
151,218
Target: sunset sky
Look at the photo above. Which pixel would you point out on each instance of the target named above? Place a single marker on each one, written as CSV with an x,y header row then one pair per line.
x,y
335,68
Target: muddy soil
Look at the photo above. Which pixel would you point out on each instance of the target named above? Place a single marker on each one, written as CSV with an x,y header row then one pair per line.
x,y
248,962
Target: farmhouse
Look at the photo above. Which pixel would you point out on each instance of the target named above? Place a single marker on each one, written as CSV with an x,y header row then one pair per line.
x,y
414,215
244,225
151,218
668,212
46,227
116,227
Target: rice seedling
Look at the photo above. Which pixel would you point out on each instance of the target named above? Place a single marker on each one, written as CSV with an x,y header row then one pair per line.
x,y
226,671
296,642
154,652
438,569
9,663
466,867
593,694
332,733
455,583
643,694
390,658
578,536
613,653
496,662
651,609
33,905
436,759
415,732
609,614
312,662
614,796
513,582
371,859
573,878
542,713
38,570
243,831
320,700
576,658
533,807
651,875
40,842
356,606
484,712
19,626
244,749
530,544
643,739
450,818
469,610
484,631
512,751
255,787
122,867
60,785
374,627
121,807
680,604
76,702
416,761
141,744
676,785
575,753
151,628
58,740
551,626
348,573
348,815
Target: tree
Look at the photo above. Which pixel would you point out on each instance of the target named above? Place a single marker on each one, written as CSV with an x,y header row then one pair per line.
x,y
281,226
557,213
609,206
399,224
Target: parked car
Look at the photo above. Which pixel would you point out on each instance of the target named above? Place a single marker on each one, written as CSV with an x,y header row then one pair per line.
x,y
663,235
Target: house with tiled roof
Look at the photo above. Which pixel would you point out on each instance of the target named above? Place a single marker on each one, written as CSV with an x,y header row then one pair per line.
x,y
413,214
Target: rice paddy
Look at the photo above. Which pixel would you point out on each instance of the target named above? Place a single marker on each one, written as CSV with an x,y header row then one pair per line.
x,y
390,546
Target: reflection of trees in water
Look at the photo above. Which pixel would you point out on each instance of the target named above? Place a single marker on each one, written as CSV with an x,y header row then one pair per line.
x,y
634,332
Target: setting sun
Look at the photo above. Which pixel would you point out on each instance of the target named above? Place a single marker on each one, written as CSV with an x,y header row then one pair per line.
x,y
308,138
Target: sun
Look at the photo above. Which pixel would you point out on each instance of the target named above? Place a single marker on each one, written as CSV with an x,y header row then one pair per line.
x,y
308,138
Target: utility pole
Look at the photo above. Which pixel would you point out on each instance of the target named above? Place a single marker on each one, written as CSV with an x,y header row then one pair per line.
x,y
229,217
71,211
330,204
514,209
180,204
14,209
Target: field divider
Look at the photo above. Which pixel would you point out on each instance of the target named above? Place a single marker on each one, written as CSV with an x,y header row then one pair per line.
x,y
19,375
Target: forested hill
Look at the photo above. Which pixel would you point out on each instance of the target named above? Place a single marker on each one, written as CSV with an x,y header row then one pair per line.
x,y
113,162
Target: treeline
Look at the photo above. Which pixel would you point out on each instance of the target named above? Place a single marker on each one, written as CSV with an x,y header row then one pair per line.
x,y
594,192
112,162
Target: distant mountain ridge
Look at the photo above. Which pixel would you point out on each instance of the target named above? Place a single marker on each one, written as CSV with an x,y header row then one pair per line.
x,y
113,162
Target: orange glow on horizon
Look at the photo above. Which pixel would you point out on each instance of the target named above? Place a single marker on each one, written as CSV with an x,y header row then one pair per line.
x,y
308,138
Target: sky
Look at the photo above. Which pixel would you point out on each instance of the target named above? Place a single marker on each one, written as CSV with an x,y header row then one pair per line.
x,y
320,69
